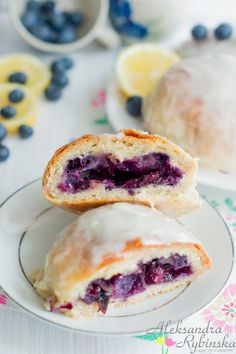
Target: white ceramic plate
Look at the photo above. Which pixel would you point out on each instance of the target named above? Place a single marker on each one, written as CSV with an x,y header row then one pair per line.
x,y
119,119
28,227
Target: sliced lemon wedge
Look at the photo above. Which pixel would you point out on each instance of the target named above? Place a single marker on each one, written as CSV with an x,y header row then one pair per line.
x,y
140,66
26,110
38,74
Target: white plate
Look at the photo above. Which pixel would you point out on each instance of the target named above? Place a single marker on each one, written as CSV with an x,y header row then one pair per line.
x,y
120,119
28,227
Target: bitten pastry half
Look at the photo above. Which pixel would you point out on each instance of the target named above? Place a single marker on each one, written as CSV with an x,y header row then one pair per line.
x,y
130,167
116,255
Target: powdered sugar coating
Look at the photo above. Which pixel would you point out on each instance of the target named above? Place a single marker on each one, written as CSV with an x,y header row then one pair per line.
x,y
195,106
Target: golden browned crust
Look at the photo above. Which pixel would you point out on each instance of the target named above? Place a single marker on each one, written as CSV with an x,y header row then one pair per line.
x,y
129,137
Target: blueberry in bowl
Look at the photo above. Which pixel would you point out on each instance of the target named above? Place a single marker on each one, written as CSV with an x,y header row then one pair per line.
x,y
223,31
49,22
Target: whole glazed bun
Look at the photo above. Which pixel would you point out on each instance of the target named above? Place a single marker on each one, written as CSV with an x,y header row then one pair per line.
x,y
195,106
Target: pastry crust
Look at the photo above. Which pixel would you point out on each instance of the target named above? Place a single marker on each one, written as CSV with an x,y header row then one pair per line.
x,y
112,240
194,106
175,201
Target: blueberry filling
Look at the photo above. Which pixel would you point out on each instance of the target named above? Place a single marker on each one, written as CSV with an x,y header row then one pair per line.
x,y
159,270
154,168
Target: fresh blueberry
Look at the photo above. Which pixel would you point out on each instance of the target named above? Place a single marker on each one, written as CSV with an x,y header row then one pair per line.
x,y
25,131
4,153
132,29
61,65
75,18
57,21
16,96
32,5
3,132
30,20
47,7
223,31
45,33
53,93
60,81
120,8
199,32
68,35
18,77
8,112
119,23
134,106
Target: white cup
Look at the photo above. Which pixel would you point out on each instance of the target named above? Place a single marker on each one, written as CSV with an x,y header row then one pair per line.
x,y
95,26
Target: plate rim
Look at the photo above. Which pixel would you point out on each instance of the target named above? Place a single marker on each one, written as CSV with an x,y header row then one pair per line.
x,y
121,334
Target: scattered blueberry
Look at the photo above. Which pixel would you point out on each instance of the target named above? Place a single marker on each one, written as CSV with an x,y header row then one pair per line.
x,y
8,112
120,8
68,35
120,16
25,131
134,106
3,132
4,153
136,30
60,81
18,77
52,93
223,31
45,33
199,32
16,96
61,65
75,18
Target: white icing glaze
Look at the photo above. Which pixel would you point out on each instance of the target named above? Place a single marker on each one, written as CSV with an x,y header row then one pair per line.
x,y
110,227
197,109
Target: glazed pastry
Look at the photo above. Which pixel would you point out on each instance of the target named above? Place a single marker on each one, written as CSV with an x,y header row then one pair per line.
x,y
116,255
194,105
128,167
208,46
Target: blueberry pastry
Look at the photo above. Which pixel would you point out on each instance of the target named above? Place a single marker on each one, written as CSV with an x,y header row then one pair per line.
x,y
194,105
130,167
116,255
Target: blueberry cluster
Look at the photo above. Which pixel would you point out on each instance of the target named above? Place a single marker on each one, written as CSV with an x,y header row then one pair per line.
x,y
59,79
8,112
50,24
121,19
221,32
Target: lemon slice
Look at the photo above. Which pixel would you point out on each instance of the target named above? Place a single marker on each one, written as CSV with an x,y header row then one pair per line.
x,y
140,66
38,74
26,110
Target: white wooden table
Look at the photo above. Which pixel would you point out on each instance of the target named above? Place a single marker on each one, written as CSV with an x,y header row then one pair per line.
x,y
57,124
